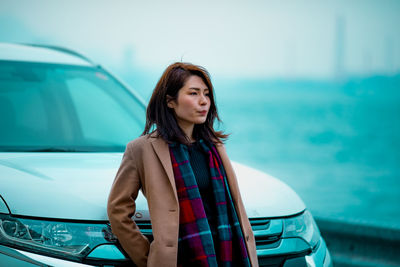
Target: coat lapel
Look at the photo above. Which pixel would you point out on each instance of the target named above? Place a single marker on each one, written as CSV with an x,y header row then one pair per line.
x,y
230,174
234,188
162,151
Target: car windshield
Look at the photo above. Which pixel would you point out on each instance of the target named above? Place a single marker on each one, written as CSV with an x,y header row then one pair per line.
x,y
61,108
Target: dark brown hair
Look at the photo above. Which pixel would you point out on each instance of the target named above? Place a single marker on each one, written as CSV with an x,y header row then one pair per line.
x,y
158,114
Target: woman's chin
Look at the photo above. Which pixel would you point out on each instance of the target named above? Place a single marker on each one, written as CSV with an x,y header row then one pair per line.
x,y
200,121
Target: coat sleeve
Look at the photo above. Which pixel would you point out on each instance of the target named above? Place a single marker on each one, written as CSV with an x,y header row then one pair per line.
x,y
121,207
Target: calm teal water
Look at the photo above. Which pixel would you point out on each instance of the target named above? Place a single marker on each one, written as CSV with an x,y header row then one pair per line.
x,y
336,143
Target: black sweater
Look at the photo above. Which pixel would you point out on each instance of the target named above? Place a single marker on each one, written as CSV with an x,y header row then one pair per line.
x,y
199,162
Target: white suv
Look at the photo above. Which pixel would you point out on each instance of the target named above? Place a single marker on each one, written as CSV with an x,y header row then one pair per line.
x,y
64,124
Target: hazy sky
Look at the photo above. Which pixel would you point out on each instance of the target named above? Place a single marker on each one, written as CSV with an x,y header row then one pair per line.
x,y
246,38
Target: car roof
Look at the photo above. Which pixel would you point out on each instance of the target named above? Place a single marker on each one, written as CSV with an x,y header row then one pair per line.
x,y
42,54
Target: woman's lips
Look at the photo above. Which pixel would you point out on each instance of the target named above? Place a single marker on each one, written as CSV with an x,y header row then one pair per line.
x,y
203,113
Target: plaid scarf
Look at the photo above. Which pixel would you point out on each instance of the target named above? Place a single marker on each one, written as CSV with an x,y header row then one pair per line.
x,y
195,236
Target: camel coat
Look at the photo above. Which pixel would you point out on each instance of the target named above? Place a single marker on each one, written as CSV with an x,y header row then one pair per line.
x,y
146,165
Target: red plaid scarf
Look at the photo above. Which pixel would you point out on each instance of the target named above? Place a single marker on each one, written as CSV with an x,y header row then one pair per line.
x,y
194,231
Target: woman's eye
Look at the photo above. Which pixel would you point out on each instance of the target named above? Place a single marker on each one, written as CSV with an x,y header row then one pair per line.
x,y
193,93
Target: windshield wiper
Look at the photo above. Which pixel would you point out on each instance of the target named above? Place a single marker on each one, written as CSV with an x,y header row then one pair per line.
x,y
56,149
68,149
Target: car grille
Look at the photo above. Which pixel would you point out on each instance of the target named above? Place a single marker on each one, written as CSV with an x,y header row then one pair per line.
x,y
145,228
266,232
268,236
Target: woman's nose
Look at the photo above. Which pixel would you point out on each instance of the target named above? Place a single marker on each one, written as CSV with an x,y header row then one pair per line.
x,y
203,100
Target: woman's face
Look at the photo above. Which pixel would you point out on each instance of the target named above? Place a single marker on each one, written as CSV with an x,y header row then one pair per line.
x,y
192,103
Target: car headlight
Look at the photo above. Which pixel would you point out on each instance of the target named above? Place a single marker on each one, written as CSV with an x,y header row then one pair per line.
x,y
68,240
302,226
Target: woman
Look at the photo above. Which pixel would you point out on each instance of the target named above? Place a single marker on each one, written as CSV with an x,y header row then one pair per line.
x,y
197,214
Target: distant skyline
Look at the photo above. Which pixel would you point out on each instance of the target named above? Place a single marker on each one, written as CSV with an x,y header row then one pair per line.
x,y
250,39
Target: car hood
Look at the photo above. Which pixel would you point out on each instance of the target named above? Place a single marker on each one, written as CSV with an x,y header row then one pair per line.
x,y
76,186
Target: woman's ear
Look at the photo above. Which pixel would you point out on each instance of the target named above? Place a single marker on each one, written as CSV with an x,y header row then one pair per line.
x,y
170,101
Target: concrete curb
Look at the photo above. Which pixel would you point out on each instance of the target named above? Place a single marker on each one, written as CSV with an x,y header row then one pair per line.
x,y
355,244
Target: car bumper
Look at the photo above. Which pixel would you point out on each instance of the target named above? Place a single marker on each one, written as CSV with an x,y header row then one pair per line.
x,y
282,256
15,257
320,257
